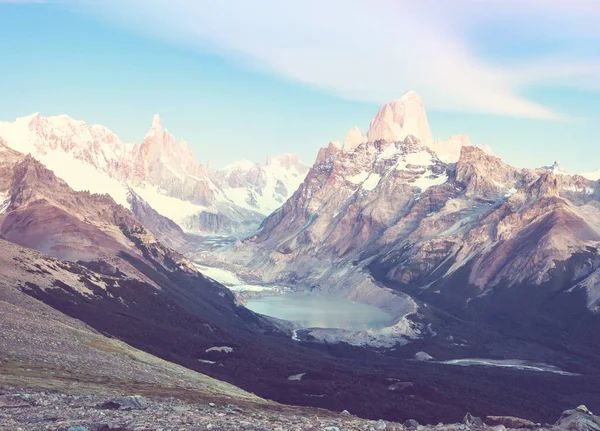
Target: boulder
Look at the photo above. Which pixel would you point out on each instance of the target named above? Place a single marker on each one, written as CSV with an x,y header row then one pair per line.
x,y
411,424
473,422
579,419
509,422
423,356
134,402
380,425
583,409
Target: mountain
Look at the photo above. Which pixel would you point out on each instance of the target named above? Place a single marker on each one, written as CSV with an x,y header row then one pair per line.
x,y
399,119
555,169
161,171
42,212
449,150
262,187
353,139
392,224
171,166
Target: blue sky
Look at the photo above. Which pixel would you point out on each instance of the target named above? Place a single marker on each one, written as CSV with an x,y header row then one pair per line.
x,y
243,80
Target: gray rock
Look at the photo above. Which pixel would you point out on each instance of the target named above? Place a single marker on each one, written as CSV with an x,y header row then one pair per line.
x,y
583,409
380,425
345,413
574,420
411,424
473,422
134,402
423,356
180,409
509,422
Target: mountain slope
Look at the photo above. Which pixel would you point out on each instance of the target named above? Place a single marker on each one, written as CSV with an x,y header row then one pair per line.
x,y
43,348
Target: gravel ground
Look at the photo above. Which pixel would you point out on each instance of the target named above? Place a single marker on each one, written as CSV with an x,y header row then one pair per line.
x,y
45,411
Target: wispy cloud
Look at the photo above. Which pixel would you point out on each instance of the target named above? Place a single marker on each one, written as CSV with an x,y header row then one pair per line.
x,y
374,50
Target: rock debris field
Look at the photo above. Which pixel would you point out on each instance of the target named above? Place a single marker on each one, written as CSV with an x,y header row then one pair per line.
x,y
44,411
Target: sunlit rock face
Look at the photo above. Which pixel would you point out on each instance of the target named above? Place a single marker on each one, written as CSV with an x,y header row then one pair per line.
x,y
399,119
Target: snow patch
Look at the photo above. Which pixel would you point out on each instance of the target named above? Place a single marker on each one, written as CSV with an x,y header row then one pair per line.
x,y
575,189
254,288
358,178
233,282
176,209
422,158
81,176
296,377
223,276
426,181
389,152
223,349
371,182
518,364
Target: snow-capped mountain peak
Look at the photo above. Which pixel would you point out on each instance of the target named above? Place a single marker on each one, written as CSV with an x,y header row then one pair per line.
x,y
353,139
239,165
161,154
400,118
555,169
449,151
262,187
287,161
404,117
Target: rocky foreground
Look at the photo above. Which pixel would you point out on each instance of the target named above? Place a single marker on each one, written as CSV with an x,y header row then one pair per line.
x,y
46,411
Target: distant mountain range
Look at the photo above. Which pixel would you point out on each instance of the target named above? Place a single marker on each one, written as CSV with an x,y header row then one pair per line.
x,y
160,171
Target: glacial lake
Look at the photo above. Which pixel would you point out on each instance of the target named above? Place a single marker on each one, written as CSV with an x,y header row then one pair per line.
x,y
320,311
